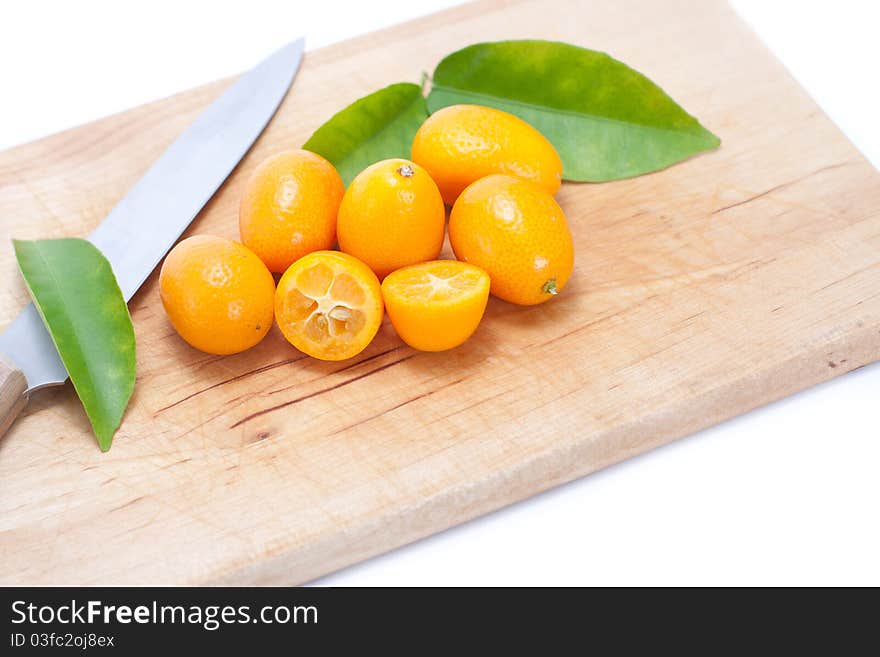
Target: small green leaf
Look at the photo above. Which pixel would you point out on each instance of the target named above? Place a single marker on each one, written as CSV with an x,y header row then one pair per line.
x,y
376,127
606,120
76,294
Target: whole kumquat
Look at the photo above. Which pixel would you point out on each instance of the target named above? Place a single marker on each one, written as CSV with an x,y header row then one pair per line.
x,y
391,216
217,294
289,207
463,143
516,231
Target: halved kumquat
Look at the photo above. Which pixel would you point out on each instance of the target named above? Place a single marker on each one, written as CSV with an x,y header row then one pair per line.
x,y
329,305
436,305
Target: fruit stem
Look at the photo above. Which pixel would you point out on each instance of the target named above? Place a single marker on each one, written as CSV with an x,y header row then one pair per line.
x,y
550,287
406,171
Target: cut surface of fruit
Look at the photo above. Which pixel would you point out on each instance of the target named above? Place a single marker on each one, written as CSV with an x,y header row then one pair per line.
x,y
436,305
329,305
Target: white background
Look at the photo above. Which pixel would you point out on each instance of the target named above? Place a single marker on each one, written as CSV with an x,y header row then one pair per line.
x,y
785,495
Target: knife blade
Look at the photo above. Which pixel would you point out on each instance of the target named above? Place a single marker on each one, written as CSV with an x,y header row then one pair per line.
x,y
151,217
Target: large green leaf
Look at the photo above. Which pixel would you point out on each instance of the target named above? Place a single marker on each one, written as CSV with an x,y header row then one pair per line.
x,y
606,120
76,293
376,127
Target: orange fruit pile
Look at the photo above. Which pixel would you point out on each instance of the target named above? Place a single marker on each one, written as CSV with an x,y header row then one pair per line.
x,y
509,235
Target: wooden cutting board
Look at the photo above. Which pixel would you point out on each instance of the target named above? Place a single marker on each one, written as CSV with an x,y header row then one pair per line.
x,y
700,292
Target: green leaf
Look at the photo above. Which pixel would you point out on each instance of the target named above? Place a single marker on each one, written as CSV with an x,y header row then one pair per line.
x,y
76,294
606,120
376,127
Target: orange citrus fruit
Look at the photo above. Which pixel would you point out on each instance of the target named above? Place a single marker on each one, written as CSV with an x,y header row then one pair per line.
x,y
329,305
289,207
391,216
517,232
217,294
436,305
463,143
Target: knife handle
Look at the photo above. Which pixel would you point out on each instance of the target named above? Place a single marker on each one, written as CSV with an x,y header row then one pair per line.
x,y
13,394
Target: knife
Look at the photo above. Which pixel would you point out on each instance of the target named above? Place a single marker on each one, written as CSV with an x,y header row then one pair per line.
x,y
148,220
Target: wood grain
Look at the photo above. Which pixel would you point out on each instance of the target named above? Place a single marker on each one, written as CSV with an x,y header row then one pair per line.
x,y
700,292
13,394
